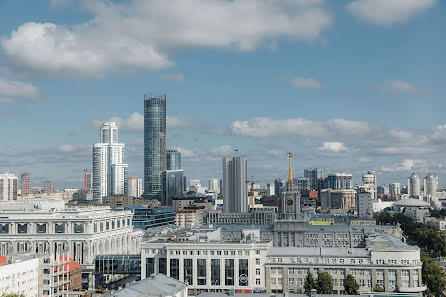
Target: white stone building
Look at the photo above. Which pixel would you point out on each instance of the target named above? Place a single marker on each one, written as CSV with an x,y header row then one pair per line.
x,y
21,277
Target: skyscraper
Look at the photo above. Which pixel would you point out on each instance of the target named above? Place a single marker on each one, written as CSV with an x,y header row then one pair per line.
x,y
395,190
313,174
235,186
430,186
339,181
154,145
173,159
25,184
8,186
214,185
413,186
172,185
364,204
369,182
109,170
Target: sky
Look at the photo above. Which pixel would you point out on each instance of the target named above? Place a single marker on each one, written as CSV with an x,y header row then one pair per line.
x,y
347,86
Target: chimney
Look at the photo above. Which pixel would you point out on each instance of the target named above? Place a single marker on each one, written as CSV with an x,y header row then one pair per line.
x,y
313,293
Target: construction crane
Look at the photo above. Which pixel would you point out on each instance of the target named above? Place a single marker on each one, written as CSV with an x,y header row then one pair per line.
x,y
251,193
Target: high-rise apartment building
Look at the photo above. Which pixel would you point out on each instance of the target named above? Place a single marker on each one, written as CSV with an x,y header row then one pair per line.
x,y
364,204
135,186
8,186
430,186
369,183
413,186
235,186
154,145
339,181
173,159
314,174
214,185
25,184
47,187
109,170
279,187
395,190
302,183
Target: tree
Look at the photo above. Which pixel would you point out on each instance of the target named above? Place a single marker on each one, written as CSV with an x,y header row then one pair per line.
x,y
433,276
324,283
351,287
310,283
12,295
378,288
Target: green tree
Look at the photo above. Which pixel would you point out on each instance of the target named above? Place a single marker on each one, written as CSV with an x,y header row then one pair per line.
x,y
324,283
433,276
310,283
12,295
378,288
351,287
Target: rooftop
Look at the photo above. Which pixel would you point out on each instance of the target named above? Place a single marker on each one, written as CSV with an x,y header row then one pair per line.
x,y
155,285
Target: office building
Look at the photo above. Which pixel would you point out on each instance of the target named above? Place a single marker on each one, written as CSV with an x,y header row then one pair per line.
x,y
25,184
80,233
430,186
302,184
154,145
383,190
395,190
173,159
369,183
413,186
8,186
110,173
364,204
172,185
20,278
314,174
151,217
214,185
235,187
339,181
338,199
135,186
279,187
89,182
47,187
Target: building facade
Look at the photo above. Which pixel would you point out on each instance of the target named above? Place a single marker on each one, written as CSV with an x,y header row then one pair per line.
x,y
21,278
235,187
8,186
314,174
47,187
135,186
154,145
110,172
173,159
339,181
364,204
369,183
172,185
25,184
338,199
395,190
413,186
430,186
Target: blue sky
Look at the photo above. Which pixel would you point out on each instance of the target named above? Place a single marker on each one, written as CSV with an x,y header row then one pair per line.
x,y
346,85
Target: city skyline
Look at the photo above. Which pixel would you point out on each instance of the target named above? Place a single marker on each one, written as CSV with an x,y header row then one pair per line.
x,y
385,116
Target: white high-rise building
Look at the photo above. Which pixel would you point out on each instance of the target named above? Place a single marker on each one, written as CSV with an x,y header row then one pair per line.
x,y
394,189
135,186
214,185
109,170
413,186
430,186
369,182
8,186
235,186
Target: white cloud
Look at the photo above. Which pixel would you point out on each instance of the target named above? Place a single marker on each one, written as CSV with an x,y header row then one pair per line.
x,y
11,90
223,150
408,165
275,153
405,150
135,122
175,77
400,87
186,153
333,147
139,35
347,127
439,133
305,82
388,12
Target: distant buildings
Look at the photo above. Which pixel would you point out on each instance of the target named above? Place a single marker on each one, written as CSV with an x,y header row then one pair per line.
x,y
313,174
47,187
172,185
395,190
364,204
134,186
369,183
338,199
154,145
339,181
8,186
235,188
430,186
173,159
25,184
214,185
279,187
109,170
413,186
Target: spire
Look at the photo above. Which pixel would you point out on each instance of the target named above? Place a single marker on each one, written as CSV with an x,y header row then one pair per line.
x,y
290,171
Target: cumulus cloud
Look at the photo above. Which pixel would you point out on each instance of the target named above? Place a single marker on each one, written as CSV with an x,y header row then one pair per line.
x,y
135,122
388,12
305,82
409,165
223,150
439,133
139,35
400,87
11,90
264,127
332,147
175,77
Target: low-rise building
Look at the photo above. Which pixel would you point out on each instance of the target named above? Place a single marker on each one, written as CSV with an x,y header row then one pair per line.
x,y
20,277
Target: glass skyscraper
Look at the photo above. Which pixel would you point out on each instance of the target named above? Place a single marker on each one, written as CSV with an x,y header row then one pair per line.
x,y
154,145
173,159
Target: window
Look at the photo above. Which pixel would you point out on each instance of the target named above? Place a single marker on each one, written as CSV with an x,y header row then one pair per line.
x,y
201,272
4,228
405,273
59,228
392,273
392,283
41,228
257,281
107,225
362,282
188,279
257,271
380,283
405,283
78,228
415,273
379,272
95,227
257,252
273,281
279,281
22,228
257,261
175,268
215,272
243,272
229,272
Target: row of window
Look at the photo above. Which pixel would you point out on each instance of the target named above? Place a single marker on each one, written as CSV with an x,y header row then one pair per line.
x,y
212,253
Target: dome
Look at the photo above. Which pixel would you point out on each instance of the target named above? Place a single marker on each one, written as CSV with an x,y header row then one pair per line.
x,y
411,202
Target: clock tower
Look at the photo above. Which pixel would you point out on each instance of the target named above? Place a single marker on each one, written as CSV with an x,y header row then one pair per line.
x,y
291,197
